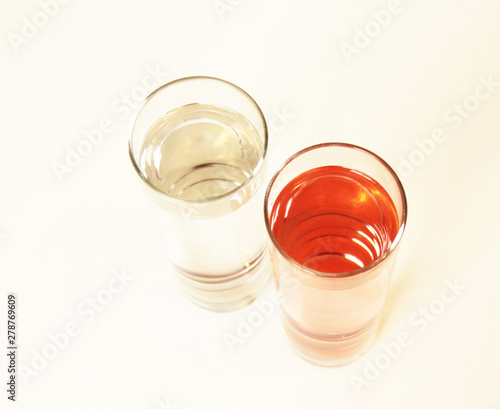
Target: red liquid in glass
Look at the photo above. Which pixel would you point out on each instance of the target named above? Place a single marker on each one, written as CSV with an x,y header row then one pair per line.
x,y
334,220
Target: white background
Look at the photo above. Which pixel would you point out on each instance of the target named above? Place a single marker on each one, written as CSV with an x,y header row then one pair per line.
x,y
148,347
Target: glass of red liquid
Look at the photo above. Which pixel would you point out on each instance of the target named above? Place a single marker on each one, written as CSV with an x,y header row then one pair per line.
x,y
335,214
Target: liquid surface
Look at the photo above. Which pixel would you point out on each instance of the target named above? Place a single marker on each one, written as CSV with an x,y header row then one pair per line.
x,y
200,151
334,220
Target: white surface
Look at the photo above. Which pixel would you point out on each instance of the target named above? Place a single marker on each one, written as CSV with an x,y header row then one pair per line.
x,y
62,239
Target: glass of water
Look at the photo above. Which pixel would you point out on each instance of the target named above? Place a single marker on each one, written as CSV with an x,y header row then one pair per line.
x,y
199,146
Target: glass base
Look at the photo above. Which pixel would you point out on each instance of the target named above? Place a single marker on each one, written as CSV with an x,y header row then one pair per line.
x,y
330,351
229,292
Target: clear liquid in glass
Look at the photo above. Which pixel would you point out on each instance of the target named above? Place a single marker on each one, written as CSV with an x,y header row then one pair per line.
x,y
210,158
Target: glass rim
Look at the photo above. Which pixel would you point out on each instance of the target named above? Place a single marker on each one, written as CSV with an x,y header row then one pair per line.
x,y
375,262
228,194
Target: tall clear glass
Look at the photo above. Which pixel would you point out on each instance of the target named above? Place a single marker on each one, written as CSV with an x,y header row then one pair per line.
x,y
199,146
331,318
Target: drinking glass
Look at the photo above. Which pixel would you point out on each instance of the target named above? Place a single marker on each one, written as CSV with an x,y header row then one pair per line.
x,y
199,146
333,247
